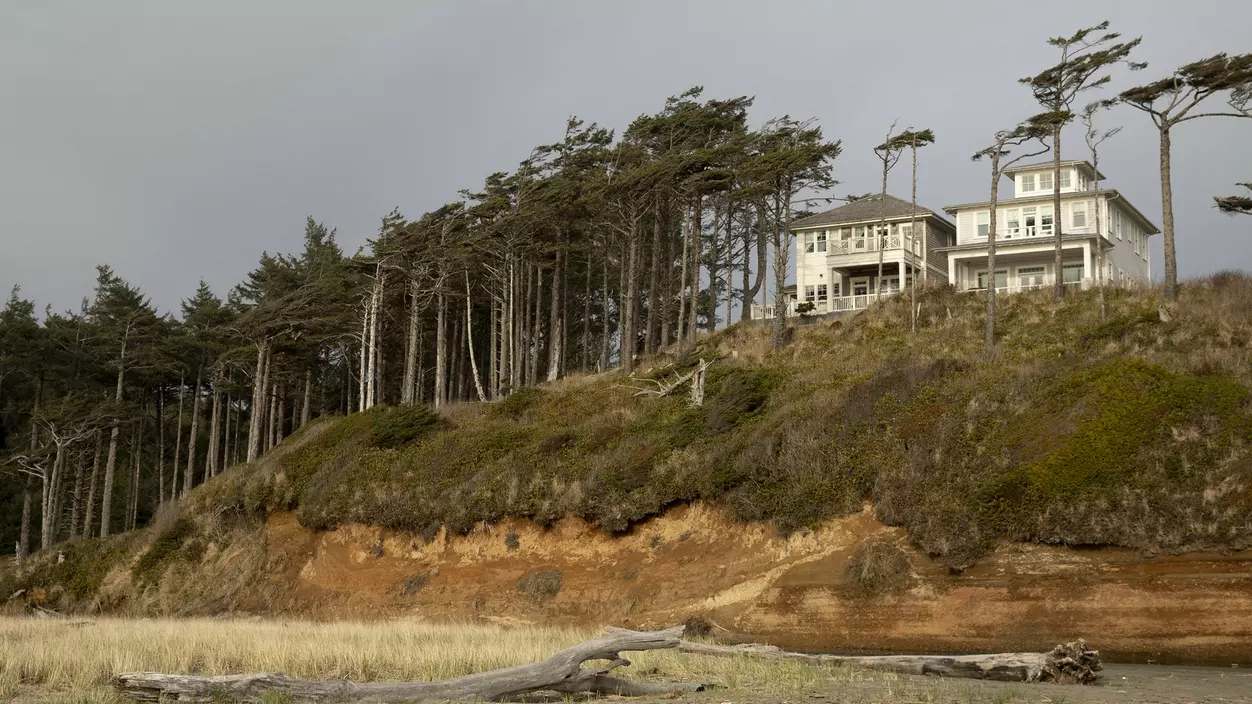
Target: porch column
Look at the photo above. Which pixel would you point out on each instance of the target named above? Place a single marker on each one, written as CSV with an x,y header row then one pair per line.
x,y
1086,264
952,271
902,273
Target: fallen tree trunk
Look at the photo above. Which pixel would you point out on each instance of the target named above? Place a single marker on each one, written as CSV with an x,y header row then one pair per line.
x,y
562,672
1068,662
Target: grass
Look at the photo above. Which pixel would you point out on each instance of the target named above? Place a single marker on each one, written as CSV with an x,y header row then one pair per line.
x,y
72,661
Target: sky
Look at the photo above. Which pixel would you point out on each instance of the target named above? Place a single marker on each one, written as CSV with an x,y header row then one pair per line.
x,y
176,141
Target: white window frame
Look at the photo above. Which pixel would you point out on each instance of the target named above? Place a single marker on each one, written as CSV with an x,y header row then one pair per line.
x,y
980,279
1028,183
810,294
906,229
1076,209
1012,222
836,288
860,281
821,240
808,242
821,292
1039,270
1045,186
1046,211
1066,179
982,223
1071,267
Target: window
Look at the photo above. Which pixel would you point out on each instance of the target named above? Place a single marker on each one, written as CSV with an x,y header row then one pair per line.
x,y
834,288
860,287
1028,183
984,223
1045,181
1117,223
1032,221
1071,273
810,294
1065,179
821,292
845,233
1045,220
1078,215
809,241
906,229
1012,222
821,241
1030,275
1002,278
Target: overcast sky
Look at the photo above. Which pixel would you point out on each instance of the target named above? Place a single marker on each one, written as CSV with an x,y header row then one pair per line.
x,y
175,141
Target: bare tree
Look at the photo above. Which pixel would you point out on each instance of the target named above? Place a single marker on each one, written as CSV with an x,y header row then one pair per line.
x,y
1094,139
1170,102
889,154
1023,133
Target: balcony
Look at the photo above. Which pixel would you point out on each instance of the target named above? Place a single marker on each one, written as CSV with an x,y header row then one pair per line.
x,y
1036,283
838,304
862,245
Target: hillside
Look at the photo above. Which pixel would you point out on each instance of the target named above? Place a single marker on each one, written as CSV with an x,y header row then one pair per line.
x,y
1130,433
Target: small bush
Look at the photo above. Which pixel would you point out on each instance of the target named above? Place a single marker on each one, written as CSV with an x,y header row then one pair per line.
x,y
517,403
541,586
511,541
877,567
414,584
697,627
395,427
743,392
164,550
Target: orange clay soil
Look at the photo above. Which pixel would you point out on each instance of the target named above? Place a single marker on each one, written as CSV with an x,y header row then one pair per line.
x,y
751,583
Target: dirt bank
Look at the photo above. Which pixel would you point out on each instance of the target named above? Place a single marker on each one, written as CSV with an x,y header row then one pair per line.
x,y
1194,608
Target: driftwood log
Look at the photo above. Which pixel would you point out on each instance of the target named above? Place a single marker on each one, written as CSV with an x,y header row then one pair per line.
x,y
1066,663
562,673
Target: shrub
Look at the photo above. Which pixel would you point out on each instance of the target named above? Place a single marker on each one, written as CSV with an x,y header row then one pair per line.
x,y
876,567
741,394
164,550
394,427
541,586
517,403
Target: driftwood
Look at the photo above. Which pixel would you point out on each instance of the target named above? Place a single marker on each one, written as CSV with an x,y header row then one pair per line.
x,y
1068,662
562,673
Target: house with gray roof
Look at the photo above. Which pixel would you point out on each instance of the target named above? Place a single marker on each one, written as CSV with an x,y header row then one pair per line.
x,y
1104,238
837,252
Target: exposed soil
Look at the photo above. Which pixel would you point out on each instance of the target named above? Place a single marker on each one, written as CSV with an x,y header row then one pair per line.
x,y
1194,608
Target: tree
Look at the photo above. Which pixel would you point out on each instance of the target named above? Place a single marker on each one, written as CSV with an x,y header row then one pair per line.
x,y
1232,205
1094,139
889,154
1084,54
911,139
1170,102
1033,130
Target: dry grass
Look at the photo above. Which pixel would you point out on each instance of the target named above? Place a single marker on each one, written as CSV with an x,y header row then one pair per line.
x,y
72,661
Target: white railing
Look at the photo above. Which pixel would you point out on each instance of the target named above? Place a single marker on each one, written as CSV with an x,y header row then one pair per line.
x,y
838,304
1019,287
859,245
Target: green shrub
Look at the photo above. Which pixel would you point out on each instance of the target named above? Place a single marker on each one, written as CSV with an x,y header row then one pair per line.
x,y
397,426
517,403
164,550
740,395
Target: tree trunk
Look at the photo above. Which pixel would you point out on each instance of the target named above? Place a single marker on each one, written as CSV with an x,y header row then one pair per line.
x,y
907,248
654,274
586,365
1058,287
441,345
1099,236
989,332
563,672
255,410
371,370
90,512
604,317
730,259
762,257
493,364
782,232
1167,217
215,427
714,263
881,232
362,397
536,328
110,465
683,279
188,476
161,445
632,294
178,436
305,414
83,530
554,322
697,248
1066,663
469,340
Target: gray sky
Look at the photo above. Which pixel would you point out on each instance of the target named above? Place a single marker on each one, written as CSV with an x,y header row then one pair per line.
x,y
176,141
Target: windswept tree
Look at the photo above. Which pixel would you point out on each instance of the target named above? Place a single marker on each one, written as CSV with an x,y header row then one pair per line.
x,y
997,153
888,154
791,158
1094,138
1177,99
912,140
1083,56
1235,205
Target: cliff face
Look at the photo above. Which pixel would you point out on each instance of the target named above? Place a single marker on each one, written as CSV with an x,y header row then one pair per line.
x,y
747,581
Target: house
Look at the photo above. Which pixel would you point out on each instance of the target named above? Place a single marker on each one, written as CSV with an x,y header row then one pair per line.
x,y
1025,246
837,252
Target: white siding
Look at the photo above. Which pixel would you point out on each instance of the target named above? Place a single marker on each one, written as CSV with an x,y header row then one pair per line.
x,y
965,228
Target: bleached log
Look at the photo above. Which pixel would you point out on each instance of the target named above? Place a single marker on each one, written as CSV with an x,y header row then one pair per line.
x,y
563,672
1066,663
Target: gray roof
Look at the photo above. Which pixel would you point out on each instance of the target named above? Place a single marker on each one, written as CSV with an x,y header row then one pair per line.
x,y
867,209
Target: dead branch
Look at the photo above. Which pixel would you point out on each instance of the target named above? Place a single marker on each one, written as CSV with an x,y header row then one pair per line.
x,y
563,672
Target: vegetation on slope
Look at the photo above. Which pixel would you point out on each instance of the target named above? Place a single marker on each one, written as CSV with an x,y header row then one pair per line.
x,y
1134,431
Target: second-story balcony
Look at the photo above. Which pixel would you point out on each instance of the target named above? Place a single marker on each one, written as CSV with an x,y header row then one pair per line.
x,y
859,245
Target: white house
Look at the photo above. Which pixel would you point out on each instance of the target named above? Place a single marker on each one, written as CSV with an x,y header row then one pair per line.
x,y
837,253
1025,246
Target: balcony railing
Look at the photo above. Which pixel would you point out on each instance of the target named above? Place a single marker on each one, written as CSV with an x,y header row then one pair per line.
x,y
1034,284
859,245
838,304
